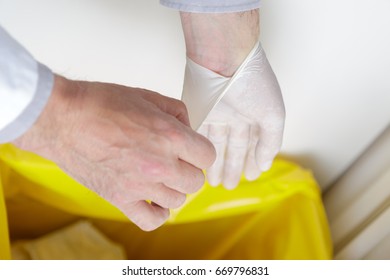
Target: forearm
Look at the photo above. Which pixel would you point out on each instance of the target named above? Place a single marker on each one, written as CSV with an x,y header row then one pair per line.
x,y
220,42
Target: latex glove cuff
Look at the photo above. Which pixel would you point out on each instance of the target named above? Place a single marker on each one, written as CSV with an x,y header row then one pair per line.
x,y
243,116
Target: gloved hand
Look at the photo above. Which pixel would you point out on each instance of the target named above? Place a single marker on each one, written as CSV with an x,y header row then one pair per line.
x,y
243,116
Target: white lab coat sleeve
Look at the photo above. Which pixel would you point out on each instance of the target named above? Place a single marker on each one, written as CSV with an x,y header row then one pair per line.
x,y
25,87
212,6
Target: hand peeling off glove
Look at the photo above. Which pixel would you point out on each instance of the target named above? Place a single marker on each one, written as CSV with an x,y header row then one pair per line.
x,y
243,116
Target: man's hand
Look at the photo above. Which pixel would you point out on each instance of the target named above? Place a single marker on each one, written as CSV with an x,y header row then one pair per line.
x,y
132,146
246,124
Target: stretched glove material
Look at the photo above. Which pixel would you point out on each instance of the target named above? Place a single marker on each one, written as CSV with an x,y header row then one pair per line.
x,y
243,116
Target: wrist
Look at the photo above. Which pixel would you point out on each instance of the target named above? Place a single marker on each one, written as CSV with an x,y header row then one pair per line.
x,y
43,138
220,42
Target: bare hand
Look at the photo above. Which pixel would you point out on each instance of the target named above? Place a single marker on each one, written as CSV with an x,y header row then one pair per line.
x,y
130,145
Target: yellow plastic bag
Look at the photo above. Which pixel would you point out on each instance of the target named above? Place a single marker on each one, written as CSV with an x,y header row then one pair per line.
x,y
279,216
4,240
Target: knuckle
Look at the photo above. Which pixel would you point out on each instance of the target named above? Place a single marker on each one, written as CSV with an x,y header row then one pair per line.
x,y
116,198
153,169
169,133
175,134
160,123
123,193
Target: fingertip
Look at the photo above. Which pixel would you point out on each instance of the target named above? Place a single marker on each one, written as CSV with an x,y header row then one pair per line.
x,y
211,153
230,185
163,215
265,157
231,180
252,170
215,173
148,217
252,175
213,180
266,165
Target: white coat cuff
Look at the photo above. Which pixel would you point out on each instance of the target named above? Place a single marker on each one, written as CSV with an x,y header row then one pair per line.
x,y
30,114
215,6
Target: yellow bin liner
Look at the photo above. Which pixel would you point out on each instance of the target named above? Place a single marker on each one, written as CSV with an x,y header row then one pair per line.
x,y
278,216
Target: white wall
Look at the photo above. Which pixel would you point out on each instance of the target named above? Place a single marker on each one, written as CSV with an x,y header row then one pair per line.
x,y
331,57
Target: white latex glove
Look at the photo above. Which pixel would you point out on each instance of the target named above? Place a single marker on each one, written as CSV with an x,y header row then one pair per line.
x,y
243,116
